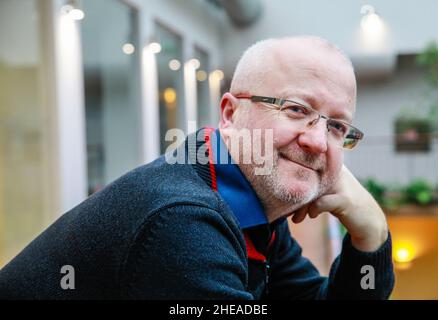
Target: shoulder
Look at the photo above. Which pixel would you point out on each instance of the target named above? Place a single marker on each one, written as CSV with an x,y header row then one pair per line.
x,y
187,251
164,185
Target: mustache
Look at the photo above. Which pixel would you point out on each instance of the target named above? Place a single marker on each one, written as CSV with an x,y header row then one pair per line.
x,y
306,159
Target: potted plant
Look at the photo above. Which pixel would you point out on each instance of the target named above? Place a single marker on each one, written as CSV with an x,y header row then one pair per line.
x,y
419,192
418,197
412,134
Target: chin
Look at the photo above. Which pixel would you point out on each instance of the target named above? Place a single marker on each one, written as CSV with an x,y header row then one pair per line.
x,y
291,184
302,191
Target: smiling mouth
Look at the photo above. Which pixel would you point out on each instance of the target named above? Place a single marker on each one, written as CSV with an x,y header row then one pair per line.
x,y
300,164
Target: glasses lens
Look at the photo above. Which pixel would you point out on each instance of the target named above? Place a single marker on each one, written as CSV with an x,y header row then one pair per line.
x,y
342,134
350,143
352,138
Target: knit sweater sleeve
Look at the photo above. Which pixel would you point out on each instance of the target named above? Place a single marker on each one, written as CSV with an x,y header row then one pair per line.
x,y
186,252
353,275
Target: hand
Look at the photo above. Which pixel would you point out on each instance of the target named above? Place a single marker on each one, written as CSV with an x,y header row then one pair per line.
x,y
355,208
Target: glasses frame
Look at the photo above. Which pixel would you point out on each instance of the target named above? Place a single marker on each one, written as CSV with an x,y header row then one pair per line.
x,y
279,102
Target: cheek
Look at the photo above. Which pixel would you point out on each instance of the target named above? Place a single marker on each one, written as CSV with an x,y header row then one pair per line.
x,y
283,136
335,159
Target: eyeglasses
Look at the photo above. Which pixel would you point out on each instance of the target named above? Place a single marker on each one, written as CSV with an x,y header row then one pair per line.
x,y
340,133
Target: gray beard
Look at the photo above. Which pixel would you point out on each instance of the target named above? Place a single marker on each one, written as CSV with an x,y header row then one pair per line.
x,y
274,195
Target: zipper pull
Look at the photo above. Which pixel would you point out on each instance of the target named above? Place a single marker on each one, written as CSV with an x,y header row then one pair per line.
x,y
267,269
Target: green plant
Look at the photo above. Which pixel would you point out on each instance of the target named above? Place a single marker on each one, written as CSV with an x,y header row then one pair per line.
x,y
391,196
376,189
428,59
419,192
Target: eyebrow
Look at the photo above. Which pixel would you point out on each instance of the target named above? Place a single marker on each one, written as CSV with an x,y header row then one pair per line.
x,y
310,101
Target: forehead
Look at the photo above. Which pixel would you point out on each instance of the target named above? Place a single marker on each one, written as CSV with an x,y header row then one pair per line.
x,y
328,86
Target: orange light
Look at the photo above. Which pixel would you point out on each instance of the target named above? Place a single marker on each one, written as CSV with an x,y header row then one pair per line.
x,y
404,252
403,255
170,96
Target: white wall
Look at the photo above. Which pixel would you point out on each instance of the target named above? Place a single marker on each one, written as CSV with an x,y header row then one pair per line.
x,y
379,103
23,53
411,24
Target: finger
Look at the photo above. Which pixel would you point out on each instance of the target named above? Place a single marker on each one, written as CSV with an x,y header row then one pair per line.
x,y
328,203
314,213
315,210
300,214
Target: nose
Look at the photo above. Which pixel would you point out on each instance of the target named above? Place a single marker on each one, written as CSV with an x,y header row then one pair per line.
x,y
314,139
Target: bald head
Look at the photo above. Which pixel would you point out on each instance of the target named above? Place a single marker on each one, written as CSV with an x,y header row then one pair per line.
x,y
283,63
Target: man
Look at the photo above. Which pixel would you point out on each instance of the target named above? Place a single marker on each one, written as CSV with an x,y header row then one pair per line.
x,y
213,229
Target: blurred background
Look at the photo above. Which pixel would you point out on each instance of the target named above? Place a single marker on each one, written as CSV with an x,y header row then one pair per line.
x,y
89,88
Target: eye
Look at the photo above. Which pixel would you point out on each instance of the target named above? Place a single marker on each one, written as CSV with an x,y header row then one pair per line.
x,y
295,110
338,128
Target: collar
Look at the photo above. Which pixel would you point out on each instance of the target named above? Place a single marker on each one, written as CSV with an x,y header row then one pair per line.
x,y
232,185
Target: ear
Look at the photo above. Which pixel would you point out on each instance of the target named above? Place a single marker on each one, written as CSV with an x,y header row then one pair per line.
x,y
229,104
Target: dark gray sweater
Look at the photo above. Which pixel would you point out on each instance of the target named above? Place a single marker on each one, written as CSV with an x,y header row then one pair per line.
x,y
161,232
